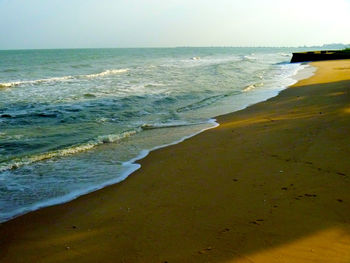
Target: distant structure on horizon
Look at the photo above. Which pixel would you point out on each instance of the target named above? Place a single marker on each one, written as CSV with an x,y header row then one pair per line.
x,y
333,46
320,55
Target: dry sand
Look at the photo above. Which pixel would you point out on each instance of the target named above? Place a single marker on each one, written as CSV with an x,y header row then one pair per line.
x,y
270,184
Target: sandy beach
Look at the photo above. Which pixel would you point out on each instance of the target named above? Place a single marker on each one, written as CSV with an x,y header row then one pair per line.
x,y
270,184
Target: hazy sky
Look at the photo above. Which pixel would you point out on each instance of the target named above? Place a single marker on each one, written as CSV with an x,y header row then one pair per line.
x,y
159,23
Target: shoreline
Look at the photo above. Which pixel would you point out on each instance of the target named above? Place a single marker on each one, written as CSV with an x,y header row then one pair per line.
x,y
203,235
304,71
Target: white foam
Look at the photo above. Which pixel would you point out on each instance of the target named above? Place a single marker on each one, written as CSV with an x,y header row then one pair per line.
x,y
305,71
62,79
34,82
66,198
111,138
130,166
106,73
249,57
150,126
285,54
252,87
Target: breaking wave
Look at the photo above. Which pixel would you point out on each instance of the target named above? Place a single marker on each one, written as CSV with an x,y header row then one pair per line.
x,y
103,139
110,138
62,79
252,86
175,124
106,73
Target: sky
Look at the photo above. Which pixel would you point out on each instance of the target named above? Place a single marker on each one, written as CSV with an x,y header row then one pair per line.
x,y
169,23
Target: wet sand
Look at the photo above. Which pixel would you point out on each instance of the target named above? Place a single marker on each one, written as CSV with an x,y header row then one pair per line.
x,y
270,184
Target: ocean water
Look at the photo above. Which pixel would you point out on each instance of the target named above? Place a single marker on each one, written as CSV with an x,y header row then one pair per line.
x,y
73,121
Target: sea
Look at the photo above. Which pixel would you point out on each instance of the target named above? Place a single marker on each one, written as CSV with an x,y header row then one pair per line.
x,y
73,121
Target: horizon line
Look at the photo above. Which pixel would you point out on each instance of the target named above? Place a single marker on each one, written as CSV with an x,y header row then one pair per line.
x,y
169,47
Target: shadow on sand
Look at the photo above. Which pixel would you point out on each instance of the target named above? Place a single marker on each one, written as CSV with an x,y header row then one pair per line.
x,y
270,184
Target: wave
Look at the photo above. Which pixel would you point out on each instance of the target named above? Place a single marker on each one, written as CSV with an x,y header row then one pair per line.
x,y
201,103
106,73
62,79
175,124
34,82
129,167
250,57
103,139
5,85
205,102
285,54
252,86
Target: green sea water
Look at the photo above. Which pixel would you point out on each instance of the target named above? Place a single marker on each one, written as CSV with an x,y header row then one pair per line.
x,y
73,121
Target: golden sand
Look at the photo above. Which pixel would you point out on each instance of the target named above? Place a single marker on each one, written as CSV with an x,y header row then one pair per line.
x,y
270,184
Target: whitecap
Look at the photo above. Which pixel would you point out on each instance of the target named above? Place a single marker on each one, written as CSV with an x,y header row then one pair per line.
x,y
34,82
62,79
106,73
110,138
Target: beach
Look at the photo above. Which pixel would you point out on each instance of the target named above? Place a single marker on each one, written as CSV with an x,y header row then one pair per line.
x,y
96,111
270,184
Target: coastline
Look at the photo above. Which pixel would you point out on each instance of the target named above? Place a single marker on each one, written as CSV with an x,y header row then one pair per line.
x,y
303,71
182,213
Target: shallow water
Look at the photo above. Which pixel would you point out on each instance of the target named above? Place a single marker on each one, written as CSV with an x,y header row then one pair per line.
x,y
71,120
